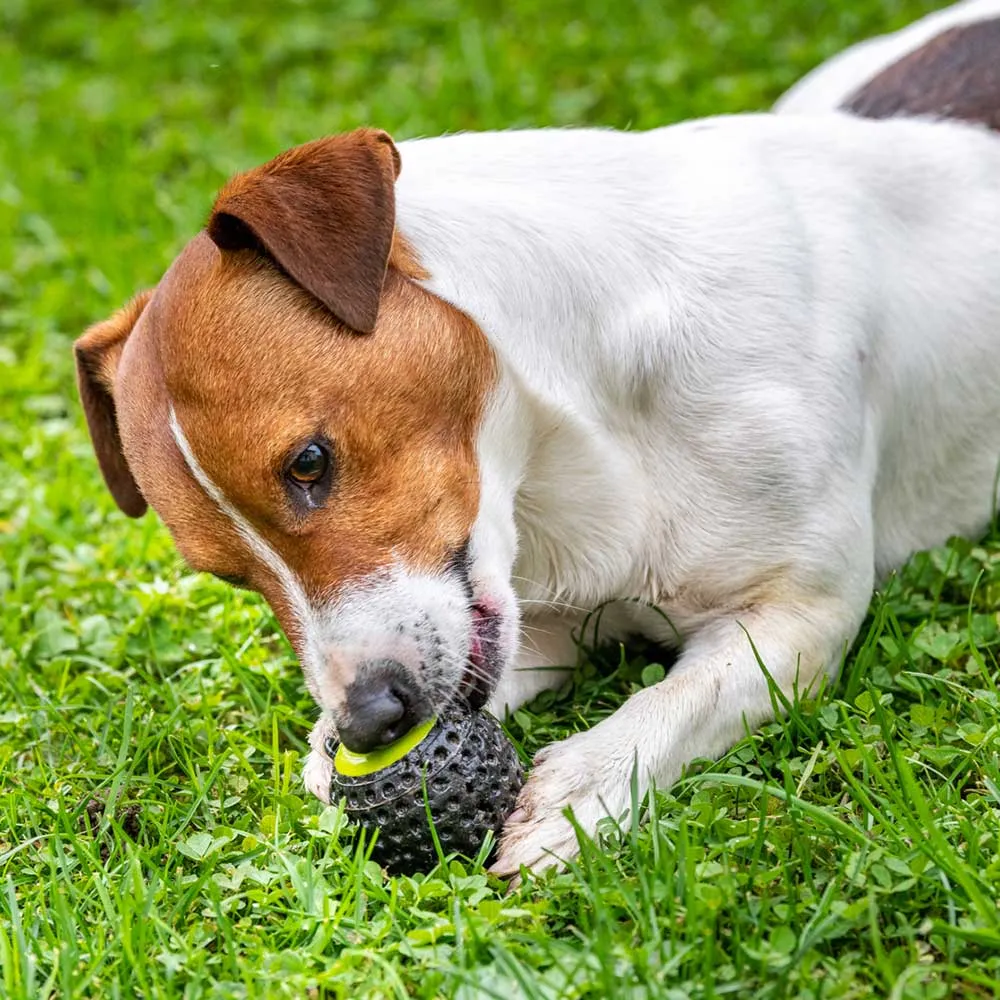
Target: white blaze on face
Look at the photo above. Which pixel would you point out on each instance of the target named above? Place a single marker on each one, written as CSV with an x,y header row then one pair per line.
x,y
262,551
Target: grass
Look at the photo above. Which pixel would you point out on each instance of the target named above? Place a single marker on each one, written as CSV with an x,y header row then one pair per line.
x,y
155,839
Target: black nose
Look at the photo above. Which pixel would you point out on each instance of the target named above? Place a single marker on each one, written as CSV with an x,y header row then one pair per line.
x,y
382,704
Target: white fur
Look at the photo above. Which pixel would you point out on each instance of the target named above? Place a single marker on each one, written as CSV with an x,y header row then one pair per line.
x,y
828,86
747,364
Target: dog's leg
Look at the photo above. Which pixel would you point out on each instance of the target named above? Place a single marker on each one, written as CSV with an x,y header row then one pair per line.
x,y
713,693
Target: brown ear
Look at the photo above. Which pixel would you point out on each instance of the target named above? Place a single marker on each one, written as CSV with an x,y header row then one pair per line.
x,y
325,212
97,353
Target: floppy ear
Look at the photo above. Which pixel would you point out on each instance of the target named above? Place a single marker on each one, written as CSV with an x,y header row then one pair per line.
x,y
325,212
97,353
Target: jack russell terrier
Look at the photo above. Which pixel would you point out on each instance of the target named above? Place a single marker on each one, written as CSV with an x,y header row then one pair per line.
x,y
437,401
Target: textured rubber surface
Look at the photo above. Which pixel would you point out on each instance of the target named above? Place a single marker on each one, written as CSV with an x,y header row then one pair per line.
x,y
472,774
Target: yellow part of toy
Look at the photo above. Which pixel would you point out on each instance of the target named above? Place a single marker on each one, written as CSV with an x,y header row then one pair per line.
x,y
356,765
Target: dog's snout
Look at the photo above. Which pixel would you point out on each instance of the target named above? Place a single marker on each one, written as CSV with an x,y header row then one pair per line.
x,y
381,705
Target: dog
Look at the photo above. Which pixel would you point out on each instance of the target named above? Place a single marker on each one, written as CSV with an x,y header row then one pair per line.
x,y
439,400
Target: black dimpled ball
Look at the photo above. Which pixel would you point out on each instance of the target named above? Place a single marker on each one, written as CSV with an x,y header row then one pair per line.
x,y
472,774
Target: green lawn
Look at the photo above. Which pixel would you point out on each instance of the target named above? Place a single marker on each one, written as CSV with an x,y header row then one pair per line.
x,y
851,851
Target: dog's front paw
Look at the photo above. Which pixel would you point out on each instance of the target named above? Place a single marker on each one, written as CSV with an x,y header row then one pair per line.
x,y
575,774
317,772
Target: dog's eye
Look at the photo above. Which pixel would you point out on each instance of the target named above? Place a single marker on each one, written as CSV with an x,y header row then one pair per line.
x,y
308,474
310,465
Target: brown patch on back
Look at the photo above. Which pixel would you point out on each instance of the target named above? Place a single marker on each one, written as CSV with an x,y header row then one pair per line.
x,y
955,75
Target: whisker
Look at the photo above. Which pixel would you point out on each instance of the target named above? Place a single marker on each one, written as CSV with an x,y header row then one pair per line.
x,y
535,629
553,603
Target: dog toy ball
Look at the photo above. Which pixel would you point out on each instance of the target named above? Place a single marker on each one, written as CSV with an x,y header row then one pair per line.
x,y
471,773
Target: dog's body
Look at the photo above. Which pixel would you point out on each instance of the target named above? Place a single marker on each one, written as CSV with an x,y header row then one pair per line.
x,y
775,374
723,373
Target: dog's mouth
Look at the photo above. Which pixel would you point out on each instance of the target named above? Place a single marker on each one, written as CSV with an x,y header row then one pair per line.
x,y
483,668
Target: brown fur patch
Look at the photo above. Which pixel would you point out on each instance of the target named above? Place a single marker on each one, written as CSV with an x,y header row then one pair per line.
x,y
955,75
405,259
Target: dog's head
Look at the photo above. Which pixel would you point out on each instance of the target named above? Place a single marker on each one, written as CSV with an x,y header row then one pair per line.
x,y
304,417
